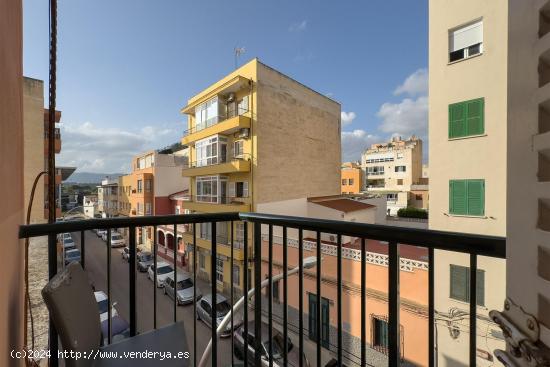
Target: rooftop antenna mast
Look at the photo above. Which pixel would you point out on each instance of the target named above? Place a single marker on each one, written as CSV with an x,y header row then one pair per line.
x,y
238,52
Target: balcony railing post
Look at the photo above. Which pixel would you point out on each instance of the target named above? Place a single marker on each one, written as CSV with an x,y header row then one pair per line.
x,y
52,271
301,294
285,297
363,303
82,249
258,293
109,311
319,300
394,305
431,308
245,293
339,298
473,309
175,272
214,272
132,278
195,254
270,292
155,250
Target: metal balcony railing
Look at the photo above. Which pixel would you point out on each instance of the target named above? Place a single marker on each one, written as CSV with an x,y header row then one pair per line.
x,y
212,199
212,161
254,223
215,120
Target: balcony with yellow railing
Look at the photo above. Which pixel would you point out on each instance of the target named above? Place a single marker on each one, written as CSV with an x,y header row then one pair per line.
x,y
216,204
218,125
218,165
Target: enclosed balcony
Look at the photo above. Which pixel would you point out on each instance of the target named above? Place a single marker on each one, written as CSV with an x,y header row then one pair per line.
x,y
218,165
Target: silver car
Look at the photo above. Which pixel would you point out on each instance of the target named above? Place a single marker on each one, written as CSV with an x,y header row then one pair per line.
x,y
185,288
204,312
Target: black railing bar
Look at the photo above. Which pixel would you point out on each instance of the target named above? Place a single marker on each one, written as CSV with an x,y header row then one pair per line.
x,y
450,241
319,300
473,310
339,299
195,262
285,297
35,230
270,293
394,353
431,308
301,296
363,302
245,287
232,281
132,279
258,294
155,250
109,312
82,250
214,288
175,253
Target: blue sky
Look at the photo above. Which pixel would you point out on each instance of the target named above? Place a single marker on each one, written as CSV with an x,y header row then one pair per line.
x,y
126,67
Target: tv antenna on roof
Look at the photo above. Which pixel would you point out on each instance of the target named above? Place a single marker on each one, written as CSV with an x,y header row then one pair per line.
x,y
238,52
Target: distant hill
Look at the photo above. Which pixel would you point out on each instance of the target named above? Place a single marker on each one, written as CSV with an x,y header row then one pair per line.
x,y
90,177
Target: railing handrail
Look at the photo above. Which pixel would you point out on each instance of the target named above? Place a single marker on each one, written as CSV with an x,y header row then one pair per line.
x,y
439,240
219,160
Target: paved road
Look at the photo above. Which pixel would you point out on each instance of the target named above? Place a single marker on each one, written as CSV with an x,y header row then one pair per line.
x,y
96,264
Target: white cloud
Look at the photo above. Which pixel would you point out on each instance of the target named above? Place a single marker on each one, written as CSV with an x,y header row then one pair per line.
x,y
92,148
416,84
347,117
298,26
410,116
355,142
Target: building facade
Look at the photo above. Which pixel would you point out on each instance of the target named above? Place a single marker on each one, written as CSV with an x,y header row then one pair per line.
x,y
35,128
107,198
89,205
468,148
256,136
391,169
352,178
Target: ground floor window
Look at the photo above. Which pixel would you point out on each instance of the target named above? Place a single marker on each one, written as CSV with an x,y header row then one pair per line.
x,y
202,261
219,268
325,321
380,334
236,275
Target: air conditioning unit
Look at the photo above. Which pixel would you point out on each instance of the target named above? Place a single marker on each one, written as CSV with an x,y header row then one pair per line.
x,y
230,97
244,133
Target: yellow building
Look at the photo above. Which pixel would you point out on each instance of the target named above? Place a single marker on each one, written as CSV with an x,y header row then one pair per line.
x,y
351,177
256,136
468,91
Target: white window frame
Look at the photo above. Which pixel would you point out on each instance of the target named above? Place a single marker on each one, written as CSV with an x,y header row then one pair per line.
x,y
236,275
208,188
202,260
238,148
219,268
208,150
147,208
207,114
465,45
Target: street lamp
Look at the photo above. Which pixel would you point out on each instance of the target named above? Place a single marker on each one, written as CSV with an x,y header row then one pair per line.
x,y
309,262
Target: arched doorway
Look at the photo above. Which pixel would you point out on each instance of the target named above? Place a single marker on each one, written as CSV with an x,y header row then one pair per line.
x,y
160,238
170,241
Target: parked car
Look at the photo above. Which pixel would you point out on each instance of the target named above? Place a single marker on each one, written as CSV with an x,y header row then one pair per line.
x,y
204,312
100,232
72,255
68,243
125,252
103,305
163,270
144,259
120,329
117,240
293,354
62,236
184,290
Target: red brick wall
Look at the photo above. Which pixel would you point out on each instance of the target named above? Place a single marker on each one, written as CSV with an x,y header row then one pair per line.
x,y
163,205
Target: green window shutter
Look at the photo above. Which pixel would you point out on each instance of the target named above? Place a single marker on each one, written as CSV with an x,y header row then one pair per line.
x,y
457,120
457,197
460,283
480,291
476,197
475,117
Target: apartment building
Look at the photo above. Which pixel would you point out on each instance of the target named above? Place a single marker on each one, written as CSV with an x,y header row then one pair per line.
x,y
256,136
156,174
89,206
352,178
35,145
107,197
468,43
413,282
390,169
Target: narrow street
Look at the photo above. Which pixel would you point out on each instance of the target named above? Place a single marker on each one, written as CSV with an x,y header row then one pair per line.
x,y
96,265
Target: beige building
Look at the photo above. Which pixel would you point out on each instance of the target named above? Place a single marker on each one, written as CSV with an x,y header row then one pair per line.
x,y
468,44
256,136
35,126
107,198
390,169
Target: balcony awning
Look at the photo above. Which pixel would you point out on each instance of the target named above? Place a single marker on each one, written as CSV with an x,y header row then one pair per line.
x,y
66,172
232,85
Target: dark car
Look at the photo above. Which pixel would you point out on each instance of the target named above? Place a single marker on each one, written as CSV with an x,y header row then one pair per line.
x,y
72,255
144,259
293,354
120,329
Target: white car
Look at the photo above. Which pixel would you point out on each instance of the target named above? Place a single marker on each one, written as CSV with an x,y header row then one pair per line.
x,y
163,270
62,236
101,232
103,304
117,240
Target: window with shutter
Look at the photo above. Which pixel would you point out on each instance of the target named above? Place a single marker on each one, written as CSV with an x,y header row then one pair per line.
x,y
467,197
466,118
460,284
